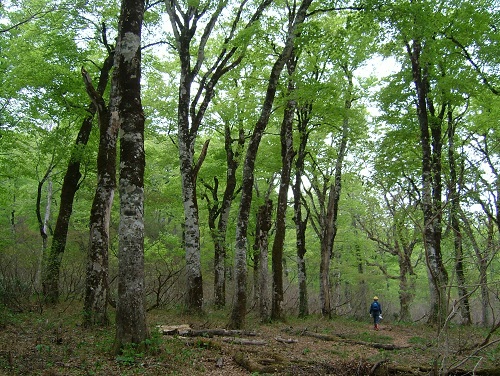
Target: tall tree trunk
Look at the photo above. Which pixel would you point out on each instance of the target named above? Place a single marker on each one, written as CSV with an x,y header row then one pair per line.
x,y
96,283
361,301
329,230
126,99
455,226
300,223
238,313
431,190
287,155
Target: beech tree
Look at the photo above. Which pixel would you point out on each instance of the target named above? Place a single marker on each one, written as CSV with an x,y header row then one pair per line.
x,y
126,111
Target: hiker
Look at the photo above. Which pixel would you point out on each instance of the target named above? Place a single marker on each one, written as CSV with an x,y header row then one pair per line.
x,y
376,312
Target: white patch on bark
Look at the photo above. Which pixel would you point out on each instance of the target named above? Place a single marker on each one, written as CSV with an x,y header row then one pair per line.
x,y
130,43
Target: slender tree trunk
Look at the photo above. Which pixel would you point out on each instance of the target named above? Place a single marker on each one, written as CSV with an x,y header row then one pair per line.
x,y
238,313
455,225
43,223
431,200
126,98
96,284
406,288
329,230
361,301
52,262
482,263
287,155
300,223
220,211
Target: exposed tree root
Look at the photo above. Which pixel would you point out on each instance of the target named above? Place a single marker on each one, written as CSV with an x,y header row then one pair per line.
x,y
271,363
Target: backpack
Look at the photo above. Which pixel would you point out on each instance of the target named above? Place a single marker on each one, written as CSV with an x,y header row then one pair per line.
x,y
375,306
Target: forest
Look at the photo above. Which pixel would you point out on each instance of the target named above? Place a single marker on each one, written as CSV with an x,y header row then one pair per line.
x,y
135,177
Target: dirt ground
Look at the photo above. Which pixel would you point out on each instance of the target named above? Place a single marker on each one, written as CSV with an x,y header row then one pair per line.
x,y
54,343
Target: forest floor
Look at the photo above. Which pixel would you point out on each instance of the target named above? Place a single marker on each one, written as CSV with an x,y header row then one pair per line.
x,y
53,343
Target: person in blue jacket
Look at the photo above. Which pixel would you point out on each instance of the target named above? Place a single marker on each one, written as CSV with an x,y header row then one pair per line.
x,y
376,312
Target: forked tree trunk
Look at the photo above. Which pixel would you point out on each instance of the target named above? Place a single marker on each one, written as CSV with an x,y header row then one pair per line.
x,y
238,313
126,99
232,161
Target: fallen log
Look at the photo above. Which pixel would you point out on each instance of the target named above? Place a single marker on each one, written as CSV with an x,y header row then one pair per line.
x,y
244,341
174,329
220,332
286,340
186,330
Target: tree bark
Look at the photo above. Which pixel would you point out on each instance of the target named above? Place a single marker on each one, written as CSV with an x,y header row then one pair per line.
x,y
96,284
483,256
238,313
126,99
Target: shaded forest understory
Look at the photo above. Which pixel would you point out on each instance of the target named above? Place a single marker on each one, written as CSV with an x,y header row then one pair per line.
x,y
54,343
